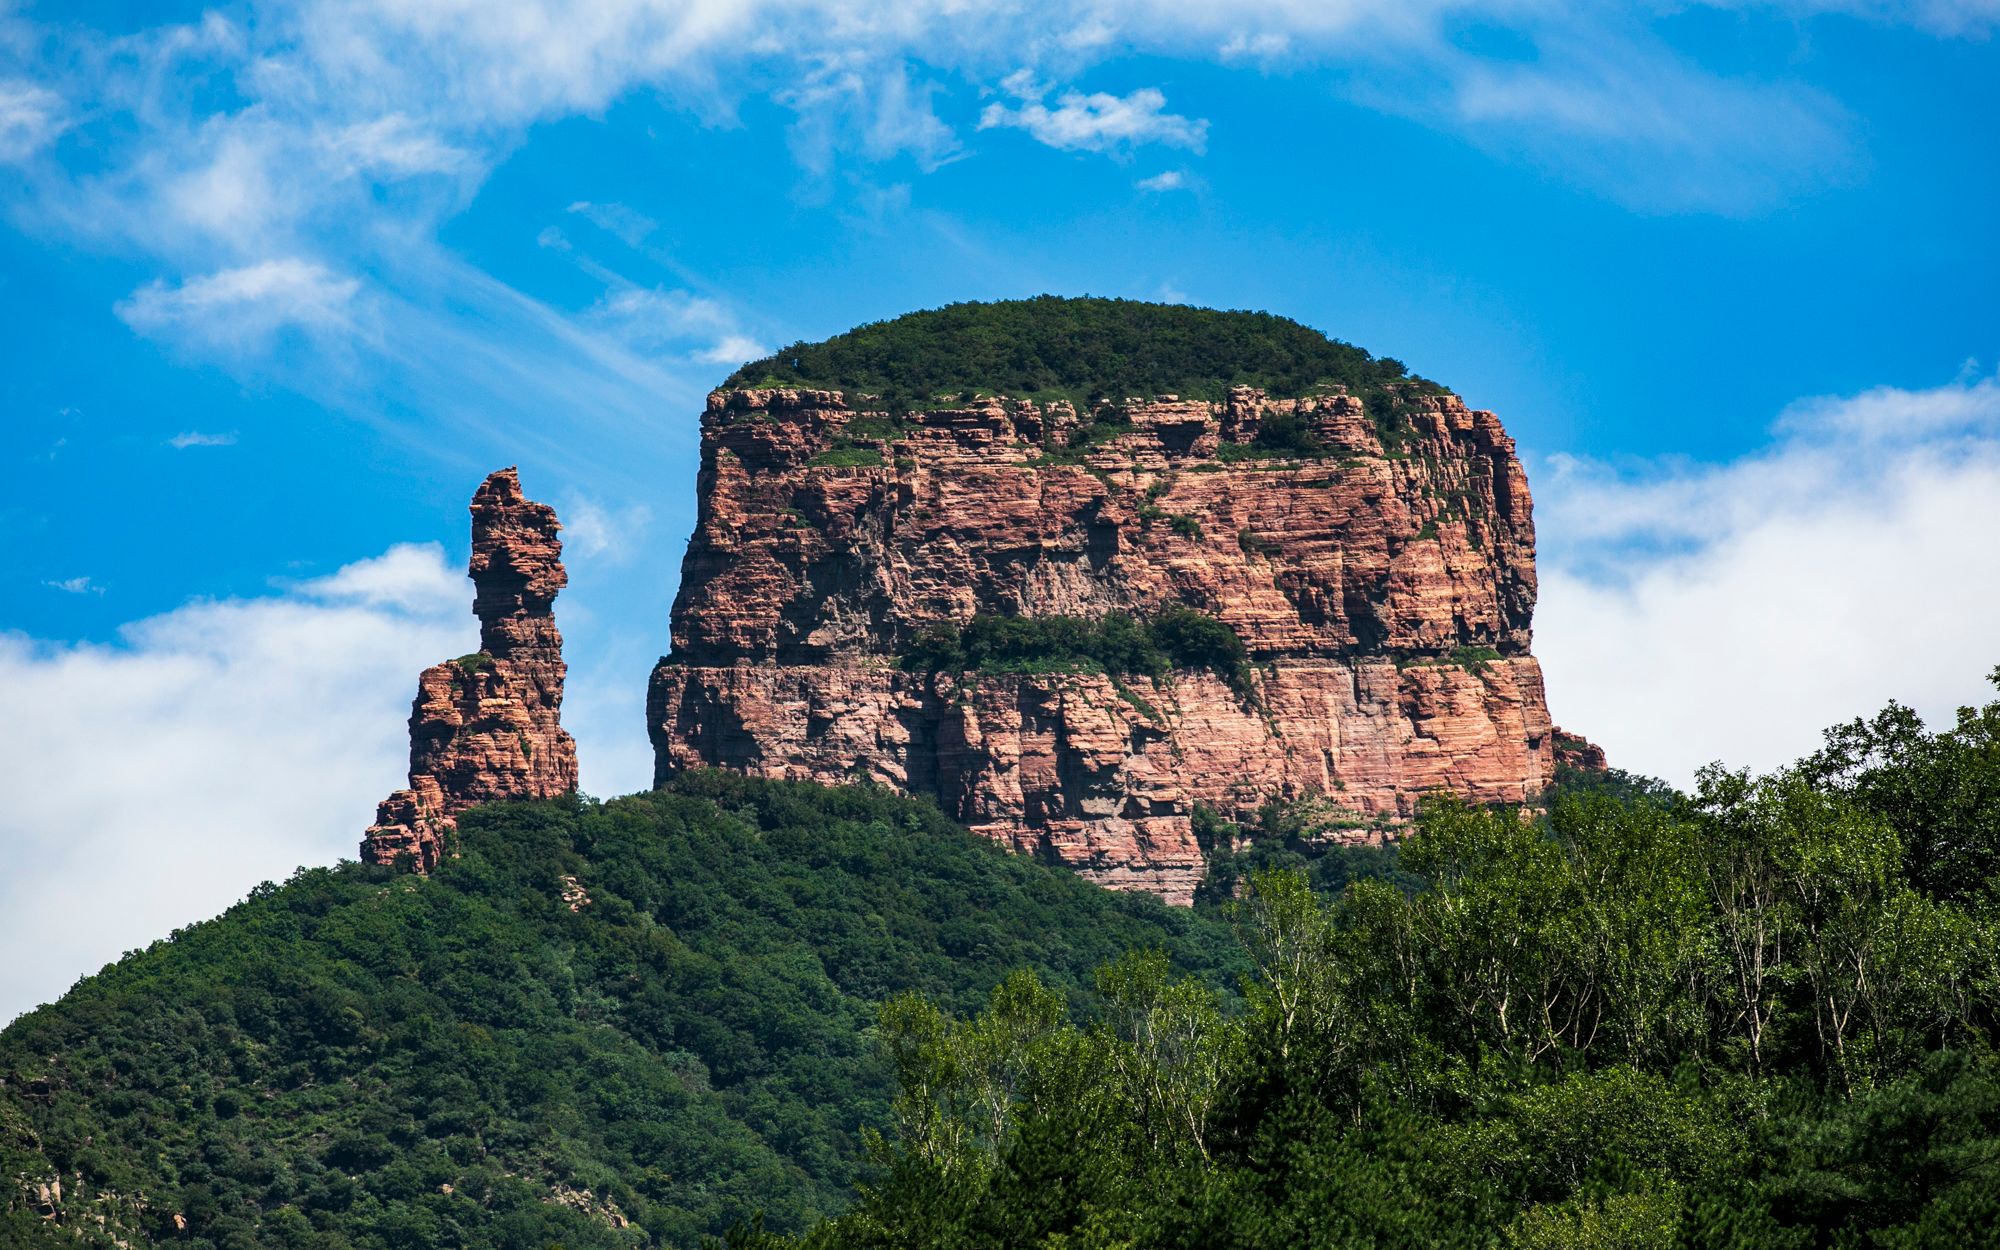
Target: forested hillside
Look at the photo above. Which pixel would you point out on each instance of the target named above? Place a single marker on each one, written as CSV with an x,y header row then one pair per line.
x,y
603,1025
1762,1015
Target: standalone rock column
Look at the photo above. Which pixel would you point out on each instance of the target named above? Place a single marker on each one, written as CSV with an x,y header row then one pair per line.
x,y
488,726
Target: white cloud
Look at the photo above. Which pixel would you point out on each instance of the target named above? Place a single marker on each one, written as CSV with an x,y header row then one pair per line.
x,y
662,321
1098,122
732,349
1171,180
1973,19
244,305
628,223
1645,126
195,438
854,103
215,746
1701,612
394,146
75,586
593,531
227,742
30,119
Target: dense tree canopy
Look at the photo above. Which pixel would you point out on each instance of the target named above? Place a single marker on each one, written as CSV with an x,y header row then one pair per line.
x,y
1762,1015
360,1059
1078,349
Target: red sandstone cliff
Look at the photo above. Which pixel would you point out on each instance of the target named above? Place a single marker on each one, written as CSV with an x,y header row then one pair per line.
x,y
488,725
1385,592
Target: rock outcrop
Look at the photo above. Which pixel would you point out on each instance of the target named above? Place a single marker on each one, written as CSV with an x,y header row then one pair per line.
x,y
488,725
1383,584
1578,752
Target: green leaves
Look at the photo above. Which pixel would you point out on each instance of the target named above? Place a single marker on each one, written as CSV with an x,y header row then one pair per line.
x,y
1116,643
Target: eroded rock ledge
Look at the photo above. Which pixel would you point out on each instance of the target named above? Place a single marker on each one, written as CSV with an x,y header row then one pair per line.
x,y
1384,589
488,725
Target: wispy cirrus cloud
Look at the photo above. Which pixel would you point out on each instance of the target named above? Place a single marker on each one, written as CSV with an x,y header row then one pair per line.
x,y
30,119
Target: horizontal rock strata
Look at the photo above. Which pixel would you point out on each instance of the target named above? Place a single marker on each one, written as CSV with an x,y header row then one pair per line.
x,y
1384,591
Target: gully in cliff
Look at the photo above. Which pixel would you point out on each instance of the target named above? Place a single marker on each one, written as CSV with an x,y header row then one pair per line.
x,y
488,726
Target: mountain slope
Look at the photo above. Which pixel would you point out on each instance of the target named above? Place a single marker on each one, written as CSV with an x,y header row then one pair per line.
x,y
602,1025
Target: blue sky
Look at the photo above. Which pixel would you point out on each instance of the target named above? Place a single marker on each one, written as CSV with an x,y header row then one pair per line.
x,y
284,280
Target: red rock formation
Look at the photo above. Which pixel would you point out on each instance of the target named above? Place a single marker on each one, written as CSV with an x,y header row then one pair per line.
x,y
1579,752
488,725
1384,591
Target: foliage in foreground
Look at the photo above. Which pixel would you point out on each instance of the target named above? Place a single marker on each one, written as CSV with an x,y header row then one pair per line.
x,y
359,1059
1761,1015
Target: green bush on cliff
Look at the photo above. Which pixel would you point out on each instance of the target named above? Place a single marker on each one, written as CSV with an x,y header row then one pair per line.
x,y
1116,643
1083,350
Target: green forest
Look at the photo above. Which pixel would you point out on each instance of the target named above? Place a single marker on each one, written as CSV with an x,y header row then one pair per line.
x,y
357,1058
1082,350
1761,1014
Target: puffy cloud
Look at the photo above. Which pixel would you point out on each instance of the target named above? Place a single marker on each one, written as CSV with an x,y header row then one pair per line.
x,y
215,746
1171,180
1098,122
732,349
1699,612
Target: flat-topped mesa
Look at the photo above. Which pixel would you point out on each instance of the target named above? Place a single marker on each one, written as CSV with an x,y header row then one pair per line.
x,y
1370,545
488,726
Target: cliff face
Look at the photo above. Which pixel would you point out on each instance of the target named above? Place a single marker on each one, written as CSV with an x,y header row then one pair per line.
x,y
489,725
1384,589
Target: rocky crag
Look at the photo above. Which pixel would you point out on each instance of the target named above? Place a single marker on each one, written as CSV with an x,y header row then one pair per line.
x,y
488,725
1374,552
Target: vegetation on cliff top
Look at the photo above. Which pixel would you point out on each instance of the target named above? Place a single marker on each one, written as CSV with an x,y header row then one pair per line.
x,y
1082,350
360,1059
1762,1016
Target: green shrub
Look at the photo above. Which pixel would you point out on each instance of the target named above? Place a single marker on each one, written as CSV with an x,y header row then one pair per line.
x,y
1116,643
848,457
